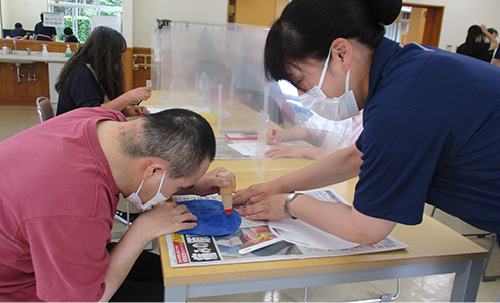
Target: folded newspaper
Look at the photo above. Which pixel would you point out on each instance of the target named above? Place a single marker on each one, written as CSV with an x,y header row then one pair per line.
x,y
257,241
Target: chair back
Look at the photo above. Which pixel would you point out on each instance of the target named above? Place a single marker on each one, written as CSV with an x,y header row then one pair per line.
x,y
44,108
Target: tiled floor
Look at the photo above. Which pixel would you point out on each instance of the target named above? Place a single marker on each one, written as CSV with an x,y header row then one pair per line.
x,y
15,118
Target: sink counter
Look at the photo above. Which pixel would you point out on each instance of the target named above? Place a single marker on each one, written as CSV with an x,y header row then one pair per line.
x,y
23,58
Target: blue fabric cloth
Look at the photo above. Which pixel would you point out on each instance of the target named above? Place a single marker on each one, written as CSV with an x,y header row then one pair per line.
x,y
80,90
212,220
431,134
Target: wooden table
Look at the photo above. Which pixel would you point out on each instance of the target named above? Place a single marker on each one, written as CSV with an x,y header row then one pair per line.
x,y
434,249
242,117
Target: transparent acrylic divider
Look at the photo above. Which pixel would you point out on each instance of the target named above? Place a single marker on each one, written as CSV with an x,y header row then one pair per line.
x,y
216,70
260,157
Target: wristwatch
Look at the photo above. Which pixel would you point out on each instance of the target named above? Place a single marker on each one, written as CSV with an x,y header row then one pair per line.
x,y
289,200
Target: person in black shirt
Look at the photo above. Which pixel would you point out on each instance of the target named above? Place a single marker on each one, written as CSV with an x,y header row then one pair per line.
x,y
69,36
94,77
44,33
474,45
18,32
494,32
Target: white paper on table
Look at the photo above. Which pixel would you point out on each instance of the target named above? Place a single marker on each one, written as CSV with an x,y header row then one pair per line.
x,y
247,149
301,233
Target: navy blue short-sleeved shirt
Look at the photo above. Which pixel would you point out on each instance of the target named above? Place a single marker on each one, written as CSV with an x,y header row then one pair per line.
x,y
44,33
431,134
497,54
17,33
80,90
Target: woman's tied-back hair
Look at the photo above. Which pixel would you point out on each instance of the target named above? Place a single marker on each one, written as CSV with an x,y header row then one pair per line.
x,y
181,137
103,51
307,28
472,33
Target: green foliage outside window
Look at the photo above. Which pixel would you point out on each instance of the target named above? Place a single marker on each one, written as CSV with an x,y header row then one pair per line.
x,y
82,16
83,23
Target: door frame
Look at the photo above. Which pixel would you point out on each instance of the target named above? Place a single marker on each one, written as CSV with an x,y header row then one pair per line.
x,y
433,23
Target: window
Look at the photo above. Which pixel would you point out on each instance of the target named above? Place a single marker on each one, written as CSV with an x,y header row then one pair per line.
x,y
78,13
398,31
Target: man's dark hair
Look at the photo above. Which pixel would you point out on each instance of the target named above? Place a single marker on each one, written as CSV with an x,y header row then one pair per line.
x,y
181,137
18,25
68,31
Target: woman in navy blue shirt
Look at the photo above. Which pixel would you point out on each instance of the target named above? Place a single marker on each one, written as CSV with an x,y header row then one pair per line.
x,y
44,33
431,121
94,77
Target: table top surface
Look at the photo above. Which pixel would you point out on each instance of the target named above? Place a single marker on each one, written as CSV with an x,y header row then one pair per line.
x,y
429,242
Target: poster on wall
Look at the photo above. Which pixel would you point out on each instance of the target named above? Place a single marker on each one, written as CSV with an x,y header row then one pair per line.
x,y
53,19
109,21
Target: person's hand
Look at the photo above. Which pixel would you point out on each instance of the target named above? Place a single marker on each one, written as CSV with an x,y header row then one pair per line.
x,y
211,184
138,94
135,110
273,136
484,28
256,193
270,208
285,151
164,219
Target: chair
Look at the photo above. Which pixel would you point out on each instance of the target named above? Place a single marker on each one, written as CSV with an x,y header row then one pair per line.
x,y
44,108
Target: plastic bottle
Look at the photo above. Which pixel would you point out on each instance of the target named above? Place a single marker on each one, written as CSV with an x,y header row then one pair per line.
x,y
68,51
45,52
5,50
204,87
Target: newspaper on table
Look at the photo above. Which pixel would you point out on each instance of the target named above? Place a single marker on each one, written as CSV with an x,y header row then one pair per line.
x,y
193,250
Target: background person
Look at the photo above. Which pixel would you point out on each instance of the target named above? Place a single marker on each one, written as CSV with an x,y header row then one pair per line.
x,y
496,59
494,33
69,36
474,45
18,32
94,76
44,33
331,135
57,219
427,137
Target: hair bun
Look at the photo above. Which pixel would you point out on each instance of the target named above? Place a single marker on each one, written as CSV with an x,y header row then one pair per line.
x,y
385,11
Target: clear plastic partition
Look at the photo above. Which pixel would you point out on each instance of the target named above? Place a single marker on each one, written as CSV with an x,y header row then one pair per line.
x,y
214,68
217,71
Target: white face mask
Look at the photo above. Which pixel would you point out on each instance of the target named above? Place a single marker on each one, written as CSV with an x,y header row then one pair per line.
x,y
340,108
137,202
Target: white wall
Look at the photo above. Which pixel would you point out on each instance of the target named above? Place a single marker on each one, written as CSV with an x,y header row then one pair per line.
x,y
460,14
145,13
128,21
25,11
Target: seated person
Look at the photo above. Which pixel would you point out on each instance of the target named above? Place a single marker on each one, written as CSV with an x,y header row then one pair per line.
x,y
332,135
55,243
44,33
18,32
69,36
94,77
